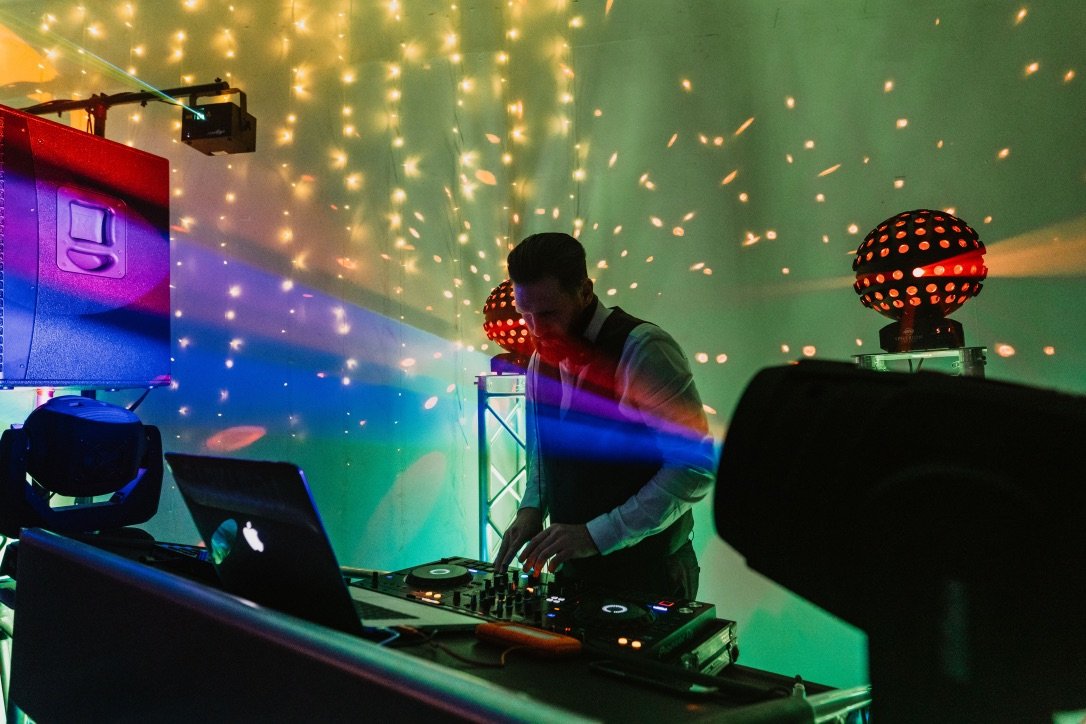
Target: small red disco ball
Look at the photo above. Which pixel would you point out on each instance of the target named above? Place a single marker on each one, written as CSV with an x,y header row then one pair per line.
x,y
503,323
919,264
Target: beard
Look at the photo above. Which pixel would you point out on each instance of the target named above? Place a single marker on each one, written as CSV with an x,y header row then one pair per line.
x,y
571,344
553,350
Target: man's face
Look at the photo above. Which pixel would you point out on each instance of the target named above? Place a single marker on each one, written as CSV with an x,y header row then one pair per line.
x,y
549,311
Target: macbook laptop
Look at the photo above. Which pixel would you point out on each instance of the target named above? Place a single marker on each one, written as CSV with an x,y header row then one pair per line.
x,y
267,543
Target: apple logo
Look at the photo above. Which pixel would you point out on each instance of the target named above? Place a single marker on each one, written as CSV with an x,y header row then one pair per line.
x,y
252,537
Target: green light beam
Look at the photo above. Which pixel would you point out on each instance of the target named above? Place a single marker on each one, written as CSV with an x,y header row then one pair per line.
x,y
11,20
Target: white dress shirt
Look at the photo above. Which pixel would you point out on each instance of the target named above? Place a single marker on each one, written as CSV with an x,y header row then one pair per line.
x,y
654,386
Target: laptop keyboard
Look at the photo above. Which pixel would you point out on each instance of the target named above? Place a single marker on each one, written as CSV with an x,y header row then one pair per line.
x,y
368,610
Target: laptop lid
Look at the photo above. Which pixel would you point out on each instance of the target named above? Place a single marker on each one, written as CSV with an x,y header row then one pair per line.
x,y
268,544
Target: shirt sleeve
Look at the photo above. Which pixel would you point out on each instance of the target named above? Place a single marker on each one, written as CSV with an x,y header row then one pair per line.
x,y
656,387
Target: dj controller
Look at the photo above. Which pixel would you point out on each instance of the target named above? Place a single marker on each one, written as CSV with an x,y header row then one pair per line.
x,y
669,631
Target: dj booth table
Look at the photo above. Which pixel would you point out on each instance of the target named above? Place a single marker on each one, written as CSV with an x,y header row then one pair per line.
x,y
100,636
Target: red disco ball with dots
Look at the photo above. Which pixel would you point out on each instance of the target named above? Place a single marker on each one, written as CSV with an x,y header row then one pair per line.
x,y
503,324
916,268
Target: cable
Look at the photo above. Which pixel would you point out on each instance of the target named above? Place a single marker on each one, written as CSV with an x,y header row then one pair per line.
x,y
393,634
476,662
134,405
428,639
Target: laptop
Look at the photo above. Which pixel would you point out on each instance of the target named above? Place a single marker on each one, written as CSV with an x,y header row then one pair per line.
x,y
267,543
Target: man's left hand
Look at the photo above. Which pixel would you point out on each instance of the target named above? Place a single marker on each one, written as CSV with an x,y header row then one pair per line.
x,y
559,543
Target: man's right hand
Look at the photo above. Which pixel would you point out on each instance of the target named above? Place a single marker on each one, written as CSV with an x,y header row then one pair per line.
x,y
527,524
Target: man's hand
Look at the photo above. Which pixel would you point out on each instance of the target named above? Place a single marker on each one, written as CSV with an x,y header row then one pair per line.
x,y
528,523
558,543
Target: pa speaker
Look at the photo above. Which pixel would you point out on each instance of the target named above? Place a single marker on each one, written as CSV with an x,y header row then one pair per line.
x,y
84,259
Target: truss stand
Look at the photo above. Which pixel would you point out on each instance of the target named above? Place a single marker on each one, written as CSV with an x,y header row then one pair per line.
x,y
502,455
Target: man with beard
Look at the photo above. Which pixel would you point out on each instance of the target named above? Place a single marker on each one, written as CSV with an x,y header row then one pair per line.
x,y
618,444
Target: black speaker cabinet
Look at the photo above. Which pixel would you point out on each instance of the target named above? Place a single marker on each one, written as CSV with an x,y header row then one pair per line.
x,y
84,259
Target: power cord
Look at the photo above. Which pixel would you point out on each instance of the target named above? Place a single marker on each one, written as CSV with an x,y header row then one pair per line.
x,y
422,638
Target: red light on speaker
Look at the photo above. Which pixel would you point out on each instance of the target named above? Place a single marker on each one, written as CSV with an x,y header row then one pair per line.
x,y
888,274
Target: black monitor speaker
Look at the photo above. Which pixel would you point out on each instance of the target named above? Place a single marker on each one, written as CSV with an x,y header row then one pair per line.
x,y
942,515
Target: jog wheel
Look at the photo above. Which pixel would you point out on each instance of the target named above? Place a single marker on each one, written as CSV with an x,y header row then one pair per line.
x,y
608,612
438,575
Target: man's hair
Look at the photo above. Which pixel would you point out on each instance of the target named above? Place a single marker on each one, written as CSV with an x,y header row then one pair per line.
x,y
550,254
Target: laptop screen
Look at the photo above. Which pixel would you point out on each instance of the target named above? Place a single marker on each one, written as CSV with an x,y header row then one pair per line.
x,y
265,537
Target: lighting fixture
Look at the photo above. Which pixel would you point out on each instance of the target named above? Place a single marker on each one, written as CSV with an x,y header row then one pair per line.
x,y
916,268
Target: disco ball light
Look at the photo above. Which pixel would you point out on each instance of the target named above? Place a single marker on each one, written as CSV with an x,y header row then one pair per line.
x,y
916,268
503,324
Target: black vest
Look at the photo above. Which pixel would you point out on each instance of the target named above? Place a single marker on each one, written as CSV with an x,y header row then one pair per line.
x,y
594,458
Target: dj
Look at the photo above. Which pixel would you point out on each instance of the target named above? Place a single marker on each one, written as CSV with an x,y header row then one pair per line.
x,y
618,444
